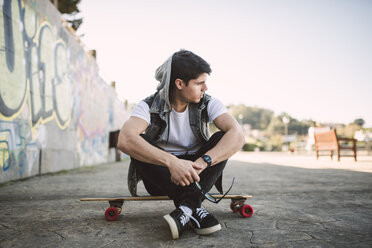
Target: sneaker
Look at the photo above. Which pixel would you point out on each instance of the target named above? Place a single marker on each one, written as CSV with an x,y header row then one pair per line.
x,y
206,222
177,220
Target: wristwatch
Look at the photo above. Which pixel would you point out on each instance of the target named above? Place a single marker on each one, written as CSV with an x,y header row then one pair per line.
x,y
207,159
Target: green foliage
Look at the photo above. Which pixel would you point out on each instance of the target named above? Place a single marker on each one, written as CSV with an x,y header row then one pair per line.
x,y
249,147
274,143
258,118
347,131
273,128
70,7
264,119
298,127
360,122
276,126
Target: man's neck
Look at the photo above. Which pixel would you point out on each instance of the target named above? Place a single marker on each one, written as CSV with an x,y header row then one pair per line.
x,y
178,104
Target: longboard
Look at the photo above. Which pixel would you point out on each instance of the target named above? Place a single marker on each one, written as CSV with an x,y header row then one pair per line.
x,y
116,203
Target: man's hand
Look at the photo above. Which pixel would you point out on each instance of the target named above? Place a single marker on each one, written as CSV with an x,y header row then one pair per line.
x,y
201,165
184,172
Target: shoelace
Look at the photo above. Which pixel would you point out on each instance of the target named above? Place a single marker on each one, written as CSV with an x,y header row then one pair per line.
x,y
187,216
201,212
184,219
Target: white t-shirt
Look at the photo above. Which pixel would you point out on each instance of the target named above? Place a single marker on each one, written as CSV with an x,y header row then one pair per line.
x,y
181,139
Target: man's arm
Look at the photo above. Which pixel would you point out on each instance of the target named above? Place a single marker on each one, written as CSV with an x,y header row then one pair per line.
x,y
131,143
230,143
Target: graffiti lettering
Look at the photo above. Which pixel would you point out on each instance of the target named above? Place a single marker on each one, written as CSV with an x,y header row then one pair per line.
x,y
29,62
12,61
14,147
52,97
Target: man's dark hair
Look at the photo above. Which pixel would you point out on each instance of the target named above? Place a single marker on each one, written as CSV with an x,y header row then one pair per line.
x,y
186,66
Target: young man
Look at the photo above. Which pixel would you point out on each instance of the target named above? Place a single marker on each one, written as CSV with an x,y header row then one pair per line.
x,y
167,138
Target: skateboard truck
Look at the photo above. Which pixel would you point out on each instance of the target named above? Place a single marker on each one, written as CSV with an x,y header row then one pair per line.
x,y
238,205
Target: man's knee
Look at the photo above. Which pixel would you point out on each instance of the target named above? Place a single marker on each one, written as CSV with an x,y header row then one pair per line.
x,y
150,140
216,137
146,137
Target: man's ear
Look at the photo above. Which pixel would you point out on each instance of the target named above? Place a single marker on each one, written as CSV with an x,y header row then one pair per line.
x,y
179,83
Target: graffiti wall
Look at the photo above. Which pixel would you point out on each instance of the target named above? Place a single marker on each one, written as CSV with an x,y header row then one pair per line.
x,y
56,111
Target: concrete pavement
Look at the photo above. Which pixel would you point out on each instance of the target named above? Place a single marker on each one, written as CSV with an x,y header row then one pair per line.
x,y
298,202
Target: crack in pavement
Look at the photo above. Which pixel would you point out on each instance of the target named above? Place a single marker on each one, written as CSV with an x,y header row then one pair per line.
x,y
98,233
312,236
60,235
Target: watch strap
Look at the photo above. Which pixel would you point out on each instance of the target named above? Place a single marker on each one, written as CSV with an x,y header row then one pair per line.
x,y
207,159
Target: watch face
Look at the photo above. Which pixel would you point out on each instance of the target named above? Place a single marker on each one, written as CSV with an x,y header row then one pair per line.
x,y
207,159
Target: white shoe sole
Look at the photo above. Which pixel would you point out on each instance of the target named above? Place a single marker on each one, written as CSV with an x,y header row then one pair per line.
x,y
209,230
172,226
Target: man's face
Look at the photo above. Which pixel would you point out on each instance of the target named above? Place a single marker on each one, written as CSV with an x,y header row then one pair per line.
x,y
194,91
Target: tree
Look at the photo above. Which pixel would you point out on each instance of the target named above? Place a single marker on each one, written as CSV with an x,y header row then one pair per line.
x,y
298,127
69,7
258,118
347,131
360,122
276,126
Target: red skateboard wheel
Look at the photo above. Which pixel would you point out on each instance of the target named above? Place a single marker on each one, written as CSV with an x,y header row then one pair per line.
x,y
246,211
111,213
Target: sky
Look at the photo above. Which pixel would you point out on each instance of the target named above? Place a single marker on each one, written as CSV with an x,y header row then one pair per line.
x,y
311,59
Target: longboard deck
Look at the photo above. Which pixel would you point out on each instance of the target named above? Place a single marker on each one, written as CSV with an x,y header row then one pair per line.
x,y
157,198
116,203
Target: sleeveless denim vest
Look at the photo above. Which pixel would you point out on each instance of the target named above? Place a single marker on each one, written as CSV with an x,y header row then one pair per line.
x,y
199,123
198,118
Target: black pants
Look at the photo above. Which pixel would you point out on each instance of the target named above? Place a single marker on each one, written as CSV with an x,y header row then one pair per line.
x,y
157,179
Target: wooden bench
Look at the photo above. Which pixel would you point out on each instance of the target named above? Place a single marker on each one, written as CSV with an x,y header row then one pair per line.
x,y
328,141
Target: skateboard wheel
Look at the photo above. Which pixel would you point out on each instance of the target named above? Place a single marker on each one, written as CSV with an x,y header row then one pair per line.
x,y
233,207
246,211
111,213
